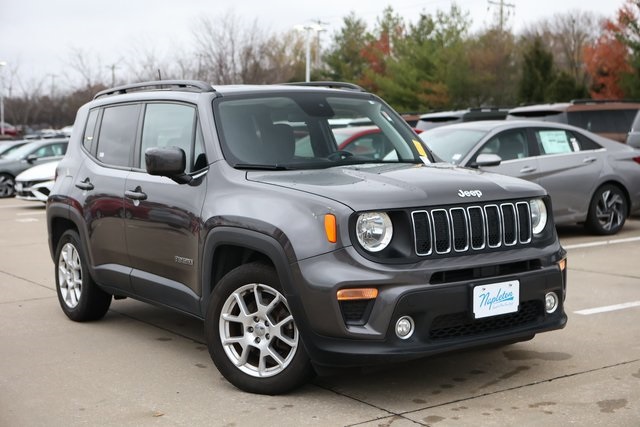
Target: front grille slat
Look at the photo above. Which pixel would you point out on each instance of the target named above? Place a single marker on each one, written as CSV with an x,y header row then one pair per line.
x,y
471,229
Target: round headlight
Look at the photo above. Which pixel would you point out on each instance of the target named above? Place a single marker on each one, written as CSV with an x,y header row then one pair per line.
x,y
538,215
374,231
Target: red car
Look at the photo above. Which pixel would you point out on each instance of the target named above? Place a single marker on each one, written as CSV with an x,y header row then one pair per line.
x,y
363,141
7,129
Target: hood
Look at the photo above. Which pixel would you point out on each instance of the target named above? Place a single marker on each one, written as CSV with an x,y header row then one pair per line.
x,y
39,172
390,186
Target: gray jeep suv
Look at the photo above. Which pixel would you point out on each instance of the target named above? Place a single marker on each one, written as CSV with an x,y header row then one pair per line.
x,y
233,204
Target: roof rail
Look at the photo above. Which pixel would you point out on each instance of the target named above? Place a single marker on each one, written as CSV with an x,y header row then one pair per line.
x,y
602,101
186,85
332,85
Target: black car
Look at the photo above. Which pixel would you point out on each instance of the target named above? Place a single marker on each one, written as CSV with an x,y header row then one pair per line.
x,y
298,256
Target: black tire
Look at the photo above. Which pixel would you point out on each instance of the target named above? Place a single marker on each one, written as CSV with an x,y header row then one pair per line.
x,y
7,185
80,298
255,333
607,210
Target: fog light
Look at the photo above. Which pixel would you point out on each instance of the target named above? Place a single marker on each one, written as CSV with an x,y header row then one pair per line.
x,y
551,302
404,327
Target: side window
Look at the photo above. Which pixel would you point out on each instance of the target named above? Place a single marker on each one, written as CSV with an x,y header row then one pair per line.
x,y
556,141
88,140
584,142
117,134
509,145
59,149
172,125
44,151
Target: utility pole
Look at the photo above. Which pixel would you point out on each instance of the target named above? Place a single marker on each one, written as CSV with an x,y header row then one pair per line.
x,y
2,65
113,73
501,12
53,78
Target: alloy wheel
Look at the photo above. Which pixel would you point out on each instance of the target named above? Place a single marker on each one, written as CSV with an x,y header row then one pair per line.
x,y
257,330
610,210
70,275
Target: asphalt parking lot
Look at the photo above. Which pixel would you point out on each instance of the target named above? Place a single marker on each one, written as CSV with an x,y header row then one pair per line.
x,y
148,366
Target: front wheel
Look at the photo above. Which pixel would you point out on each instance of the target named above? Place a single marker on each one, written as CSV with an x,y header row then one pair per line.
x,y
607,210
251,334
80,298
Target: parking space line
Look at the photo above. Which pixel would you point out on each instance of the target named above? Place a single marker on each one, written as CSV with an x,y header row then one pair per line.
x,y
607,308
13,206
31,213
603,243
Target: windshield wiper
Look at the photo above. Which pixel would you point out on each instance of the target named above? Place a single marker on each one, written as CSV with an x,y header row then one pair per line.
x,y
254,166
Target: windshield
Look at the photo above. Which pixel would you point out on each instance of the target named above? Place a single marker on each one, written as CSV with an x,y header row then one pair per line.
x,y
19,153
451,144
307,130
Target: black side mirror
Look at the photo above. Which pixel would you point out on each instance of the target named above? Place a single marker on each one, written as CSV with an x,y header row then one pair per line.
x,y
167,161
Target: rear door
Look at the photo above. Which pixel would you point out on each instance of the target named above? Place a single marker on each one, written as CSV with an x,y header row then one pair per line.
x,y
162,218
109,139
570,165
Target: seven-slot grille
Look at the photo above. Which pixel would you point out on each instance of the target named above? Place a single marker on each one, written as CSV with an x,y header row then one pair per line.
x,y
441,231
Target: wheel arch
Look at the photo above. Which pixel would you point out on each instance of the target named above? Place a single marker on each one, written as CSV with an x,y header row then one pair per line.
x,y
60,218
226,248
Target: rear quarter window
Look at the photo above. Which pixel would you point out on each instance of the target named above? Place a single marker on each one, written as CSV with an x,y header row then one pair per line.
x,y
118,134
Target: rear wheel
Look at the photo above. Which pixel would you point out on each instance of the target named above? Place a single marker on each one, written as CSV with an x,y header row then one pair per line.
x,y
7,185
607,211
251,334
80,298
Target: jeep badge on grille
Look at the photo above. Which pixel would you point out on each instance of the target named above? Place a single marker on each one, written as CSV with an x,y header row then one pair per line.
x,y
470,193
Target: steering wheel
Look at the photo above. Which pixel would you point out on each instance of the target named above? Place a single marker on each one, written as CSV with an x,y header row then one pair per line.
x,y
339,155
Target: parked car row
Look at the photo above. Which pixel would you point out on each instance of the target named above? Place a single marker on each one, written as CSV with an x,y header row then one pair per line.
x,y
608,118
25,155
591,179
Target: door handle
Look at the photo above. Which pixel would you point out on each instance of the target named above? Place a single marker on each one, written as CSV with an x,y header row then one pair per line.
x,y
136,194
589,160
527,169
85,185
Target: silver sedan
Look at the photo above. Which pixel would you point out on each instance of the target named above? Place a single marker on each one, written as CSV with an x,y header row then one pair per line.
x,y
591,179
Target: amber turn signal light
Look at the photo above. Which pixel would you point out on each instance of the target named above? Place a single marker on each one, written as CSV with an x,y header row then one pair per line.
x,y
562,264
357,294
330,227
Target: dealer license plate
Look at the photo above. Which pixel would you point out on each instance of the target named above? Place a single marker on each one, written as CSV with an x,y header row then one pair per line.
x,y
496,298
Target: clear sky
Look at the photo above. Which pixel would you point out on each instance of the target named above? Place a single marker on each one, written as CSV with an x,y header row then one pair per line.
x,y
37,36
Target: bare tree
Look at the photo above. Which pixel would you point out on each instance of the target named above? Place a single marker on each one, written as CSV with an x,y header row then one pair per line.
x,y
89,66
565,36
23,108
229,52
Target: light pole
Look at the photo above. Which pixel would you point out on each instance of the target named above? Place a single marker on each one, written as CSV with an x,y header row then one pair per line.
x,y
308,28
2,65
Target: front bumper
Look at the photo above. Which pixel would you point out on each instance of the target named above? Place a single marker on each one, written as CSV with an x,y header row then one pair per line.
x,y
33,191
441,309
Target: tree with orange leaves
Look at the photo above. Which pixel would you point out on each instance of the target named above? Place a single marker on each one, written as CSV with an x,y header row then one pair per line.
x,y
613,61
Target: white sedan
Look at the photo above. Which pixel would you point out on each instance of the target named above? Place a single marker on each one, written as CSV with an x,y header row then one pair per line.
x,y
35,183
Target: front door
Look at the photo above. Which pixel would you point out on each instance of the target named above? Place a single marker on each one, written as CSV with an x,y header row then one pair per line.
x,y
162,218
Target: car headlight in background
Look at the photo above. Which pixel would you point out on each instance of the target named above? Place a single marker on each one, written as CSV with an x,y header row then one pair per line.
x,y
538,215
374,230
